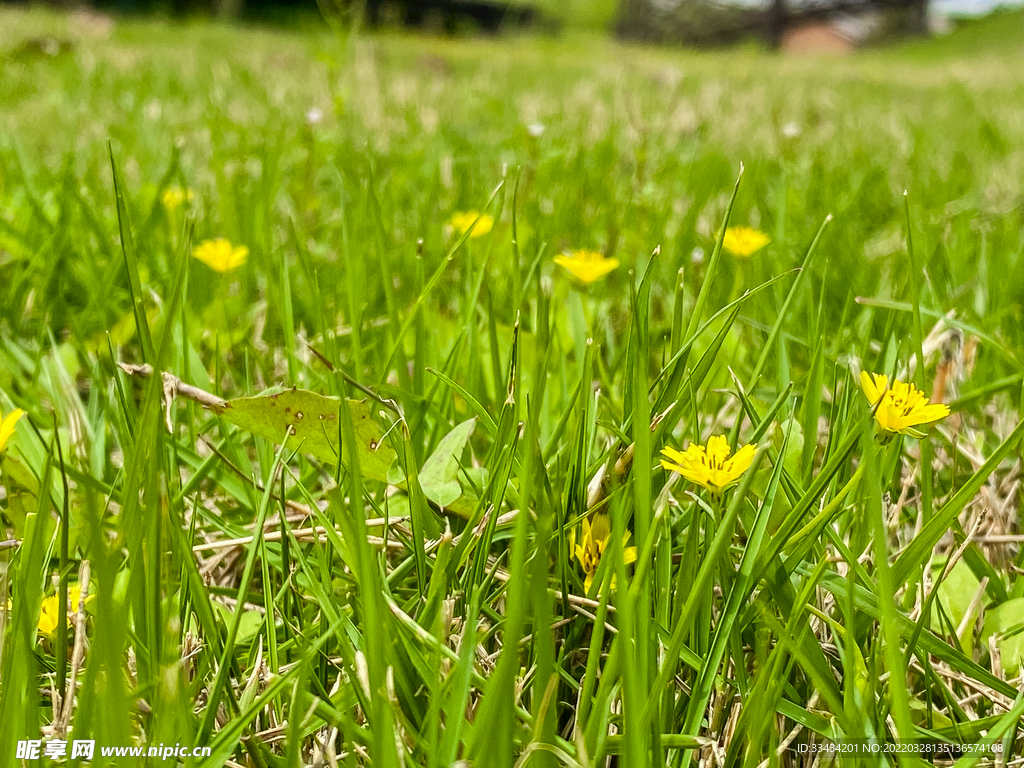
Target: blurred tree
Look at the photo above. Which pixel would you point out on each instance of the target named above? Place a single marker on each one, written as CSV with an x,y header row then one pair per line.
x,y
488,15
776,22
918,17
228,9
709,22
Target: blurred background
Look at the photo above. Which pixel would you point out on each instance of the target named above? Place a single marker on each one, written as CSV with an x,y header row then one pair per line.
x,y
339,144
827,25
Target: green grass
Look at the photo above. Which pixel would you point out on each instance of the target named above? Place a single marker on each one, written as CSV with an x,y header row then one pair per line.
x,y
830,594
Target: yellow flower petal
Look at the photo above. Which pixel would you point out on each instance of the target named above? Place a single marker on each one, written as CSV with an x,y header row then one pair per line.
x,y
710,466
173,197
586,266
219,255
7,426
75,596
596,535
49,610
741,460
460,223
744,241
900,405
672,467
673,454
600,530
629,555
717,450
931,412
48,615
874,385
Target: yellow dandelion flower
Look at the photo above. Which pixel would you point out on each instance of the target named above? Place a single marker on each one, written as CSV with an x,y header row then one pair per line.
x,y
49,612
903,406
587,266
595,541
7,424
460,223
219,255
744,241
710,466
173,197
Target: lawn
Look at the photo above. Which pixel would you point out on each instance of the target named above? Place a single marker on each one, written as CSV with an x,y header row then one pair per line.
x,y
427,314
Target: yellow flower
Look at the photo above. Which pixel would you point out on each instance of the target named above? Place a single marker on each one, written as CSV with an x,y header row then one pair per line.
x,y
7,426
172,197
461,222
744,241
587,266
219,255
50,609
595,542
902,407
710,466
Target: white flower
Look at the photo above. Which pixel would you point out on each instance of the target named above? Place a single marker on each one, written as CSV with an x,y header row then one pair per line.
x,y
791,130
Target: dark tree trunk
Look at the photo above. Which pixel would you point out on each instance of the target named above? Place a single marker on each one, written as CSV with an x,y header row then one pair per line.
x,y
228,9
631,17
917,18
776,23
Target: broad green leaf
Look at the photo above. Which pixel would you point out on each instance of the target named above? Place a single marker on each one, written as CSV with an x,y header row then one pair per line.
x,y
922,712
474,481
312,421
1006,622
249,625
956,592
438,476
791,450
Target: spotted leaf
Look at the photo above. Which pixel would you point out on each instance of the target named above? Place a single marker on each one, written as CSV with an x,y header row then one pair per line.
x,y
311,421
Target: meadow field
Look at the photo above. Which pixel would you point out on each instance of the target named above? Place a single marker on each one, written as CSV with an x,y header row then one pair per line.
x,y
392,400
